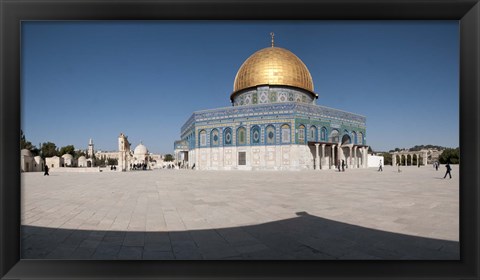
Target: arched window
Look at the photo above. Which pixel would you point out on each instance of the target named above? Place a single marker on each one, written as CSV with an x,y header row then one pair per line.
x,y
203,138
354,136
346,139
255,135
312,134
270,134
285,130
334,136
227,136
301,134
214,138
360,138
323,134
241,136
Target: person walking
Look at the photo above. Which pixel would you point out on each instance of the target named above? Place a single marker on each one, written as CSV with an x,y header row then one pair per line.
x,y
380,168
339,166
46,171
398,164
343,165
436,165
448,170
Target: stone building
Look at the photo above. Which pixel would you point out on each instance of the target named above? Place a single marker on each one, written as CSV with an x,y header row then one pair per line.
x,y
424,156
54,162
274,123
68,160
125,156
140,154
30,163
82,161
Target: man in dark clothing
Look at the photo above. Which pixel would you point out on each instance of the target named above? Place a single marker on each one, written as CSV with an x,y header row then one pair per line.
x,y
343,165
436,165
46,171
448,171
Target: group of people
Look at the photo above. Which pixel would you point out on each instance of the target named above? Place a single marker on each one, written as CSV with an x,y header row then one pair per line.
x,y
340,165
179,165
435,165
138,166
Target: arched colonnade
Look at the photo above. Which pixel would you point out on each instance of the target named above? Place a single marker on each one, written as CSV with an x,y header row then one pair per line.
x,y
405,154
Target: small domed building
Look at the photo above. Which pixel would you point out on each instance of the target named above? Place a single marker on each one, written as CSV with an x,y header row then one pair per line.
x,y
68,160
274,123
82,161
140,154
30,163
54,162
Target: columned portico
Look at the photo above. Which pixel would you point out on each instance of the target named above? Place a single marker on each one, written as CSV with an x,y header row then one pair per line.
x,y
355,157
322,165
365,157
350,156
333,163
330,153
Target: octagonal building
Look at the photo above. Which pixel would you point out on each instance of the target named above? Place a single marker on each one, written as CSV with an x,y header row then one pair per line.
x,y
274,123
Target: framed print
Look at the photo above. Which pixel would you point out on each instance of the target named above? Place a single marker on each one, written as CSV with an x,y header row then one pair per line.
x,y
309,139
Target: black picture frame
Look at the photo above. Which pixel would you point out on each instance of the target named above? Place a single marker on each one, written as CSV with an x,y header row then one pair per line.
x,y
13,12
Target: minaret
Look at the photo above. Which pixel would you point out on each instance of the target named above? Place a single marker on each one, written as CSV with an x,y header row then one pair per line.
x,y
90,148
123,152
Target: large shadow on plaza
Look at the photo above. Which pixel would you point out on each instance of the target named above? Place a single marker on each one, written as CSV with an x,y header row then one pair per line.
x,y
304,237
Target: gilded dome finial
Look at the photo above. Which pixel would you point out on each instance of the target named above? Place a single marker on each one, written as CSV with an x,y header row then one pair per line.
x,y
273,35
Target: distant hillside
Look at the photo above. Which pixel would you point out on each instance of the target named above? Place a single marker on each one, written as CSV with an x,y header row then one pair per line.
x,y
420,147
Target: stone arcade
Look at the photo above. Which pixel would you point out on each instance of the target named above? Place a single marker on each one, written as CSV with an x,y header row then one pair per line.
x,y
274,123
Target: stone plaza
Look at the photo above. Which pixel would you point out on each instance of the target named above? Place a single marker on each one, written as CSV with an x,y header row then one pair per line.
x,y
254,215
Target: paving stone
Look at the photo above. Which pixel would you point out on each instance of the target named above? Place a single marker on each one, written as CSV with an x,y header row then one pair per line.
x,y
82,253
130,253
62,252
134,239
152,254
106,251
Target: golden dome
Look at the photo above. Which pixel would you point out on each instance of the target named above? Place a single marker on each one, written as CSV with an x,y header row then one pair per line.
x,y
273,66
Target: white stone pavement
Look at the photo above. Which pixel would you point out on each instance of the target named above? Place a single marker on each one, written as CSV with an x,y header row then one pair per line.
x,y
185,214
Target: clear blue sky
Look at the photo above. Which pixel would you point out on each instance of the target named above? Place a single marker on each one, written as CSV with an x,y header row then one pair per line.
x,y
84,80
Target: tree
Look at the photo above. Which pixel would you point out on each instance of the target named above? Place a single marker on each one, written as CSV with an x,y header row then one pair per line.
x,y
387,158
70,149
25,144
98,161
450,155
112,161
49,149
79,153
421,147
168,157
